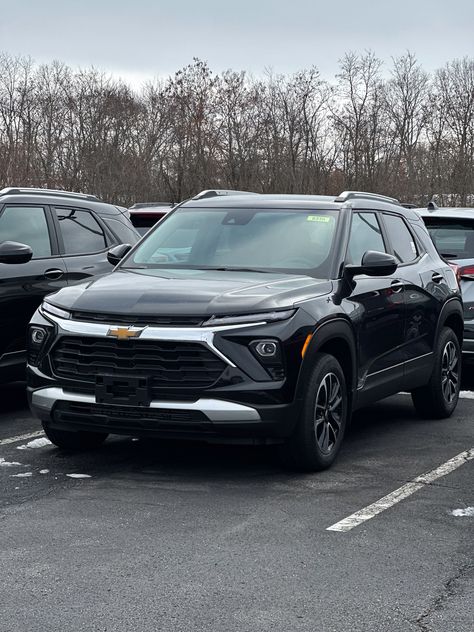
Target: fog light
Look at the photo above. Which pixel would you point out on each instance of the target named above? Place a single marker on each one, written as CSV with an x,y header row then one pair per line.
x,y
266,348
37,335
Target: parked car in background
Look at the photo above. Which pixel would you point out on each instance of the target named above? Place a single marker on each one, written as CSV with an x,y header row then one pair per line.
x,y
48,240
452,232
260,318
145,215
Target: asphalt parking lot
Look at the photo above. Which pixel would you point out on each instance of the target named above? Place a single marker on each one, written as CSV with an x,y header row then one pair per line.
x,y
152,536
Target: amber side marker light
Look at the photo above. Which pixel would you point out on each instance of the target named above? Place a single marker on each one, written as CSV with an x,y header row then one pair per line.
x,y
306,343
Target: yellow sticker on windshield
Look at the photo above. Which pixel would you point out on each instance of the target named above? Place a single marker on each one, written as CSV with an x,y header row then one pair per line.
x,y
318,218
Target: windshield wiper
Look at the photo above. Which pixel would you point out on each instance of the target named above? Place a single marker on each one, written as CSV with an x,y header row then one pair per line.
x,y
227,269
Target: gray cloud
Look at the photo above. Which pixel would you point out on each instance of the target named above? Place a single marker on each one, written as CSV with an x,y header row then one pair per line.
x,y
142,38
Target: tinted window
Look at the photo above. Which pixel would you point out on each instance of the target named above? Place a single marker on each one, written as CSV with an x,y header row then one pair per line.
x,y
124,233
365,235
452,238
404,246
263,239
26,225
81,232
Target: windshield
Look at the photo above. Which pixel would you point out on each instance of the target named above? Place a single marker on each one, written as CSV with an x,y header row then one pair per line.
x,y
453,238
264,240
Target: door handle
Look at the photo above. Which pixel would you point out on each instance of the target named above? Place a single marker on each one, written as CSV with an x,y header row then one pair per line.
x,y
397,286
54,274
437,277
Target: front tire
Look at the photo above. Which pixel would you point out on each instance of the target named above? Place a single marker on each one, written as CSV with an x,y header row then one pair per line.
x,y
321,426
439,398
70,440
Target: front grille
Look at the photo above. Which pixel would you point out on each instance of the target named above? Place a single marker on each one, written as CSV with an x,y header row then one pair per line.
x,y
169,364
128,417
139,321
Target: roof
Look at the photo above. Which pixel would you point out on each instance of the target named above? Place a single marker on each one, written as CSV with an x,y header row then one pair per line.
x,y
20,195
315,202
447,213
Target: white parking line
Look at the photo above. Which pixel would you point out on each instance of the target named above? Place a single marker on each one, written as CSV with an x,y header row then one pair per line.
x,y
32,435
402,492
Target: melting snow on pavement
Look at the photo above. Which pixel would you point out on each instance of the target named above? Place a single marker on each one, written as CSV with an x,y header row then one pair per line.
x,y
22,475
4,463
78,475
36,443
467,511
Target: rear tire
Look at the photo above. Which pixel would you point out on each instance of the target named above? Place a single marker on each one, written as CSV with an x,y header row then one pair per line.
x,y
439,398
70,440
318,435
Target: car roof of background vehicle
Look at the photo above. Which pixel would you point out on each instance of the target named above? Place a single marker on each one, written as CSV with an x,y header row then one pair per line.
x,y
26,195
447,213
349,199
145,205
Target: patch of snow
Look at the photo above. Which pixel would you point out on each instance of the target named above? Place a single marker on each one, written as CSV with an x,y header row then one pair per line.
x,y
78,475
36,443
467,394
22,475
467,511
44,471
4,463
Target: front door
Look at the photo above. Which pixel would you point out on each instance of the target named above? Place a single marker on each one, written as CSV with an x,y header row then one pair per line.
x,y
23,286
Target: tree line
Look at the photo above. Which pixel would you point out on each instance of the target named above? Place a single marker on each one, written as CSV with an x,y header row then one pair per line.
x,y
400,131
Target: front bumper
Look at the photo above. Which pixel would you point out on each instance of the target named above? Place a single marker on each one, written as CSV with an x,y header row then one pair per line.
x,y
205,419
241,405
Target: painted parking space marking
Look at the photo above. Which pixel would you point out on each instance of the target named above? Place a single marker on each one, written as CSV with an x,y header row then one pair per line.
x,y
401,493
31,435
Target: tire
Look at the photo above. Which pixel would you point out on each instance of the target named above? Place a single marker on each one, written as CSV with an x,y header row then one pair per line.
x,y
439,398
70,440
318,435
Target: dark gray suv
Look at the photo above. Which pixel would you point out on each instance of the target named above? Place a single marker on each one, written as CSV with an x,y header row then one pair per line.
x,y
48,240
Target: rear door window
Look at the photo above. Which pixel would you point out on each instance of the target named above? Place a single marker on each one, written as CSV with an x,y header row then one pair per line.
x,y
81,232
26,225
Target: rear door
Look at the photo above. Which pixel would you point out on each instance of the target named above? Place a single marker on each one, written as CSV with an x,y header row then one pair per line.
x,y
23,286
426,290
377,308
83,242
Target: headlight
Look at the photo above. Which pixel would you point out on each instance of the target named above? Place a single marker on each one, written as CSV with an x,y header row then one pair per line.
x,y
54,311
264,317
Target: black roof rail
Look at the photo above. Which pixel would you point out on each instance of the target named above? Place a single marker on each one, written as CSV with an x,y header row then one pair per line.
x,y
49,192
362,195
408,205
208,193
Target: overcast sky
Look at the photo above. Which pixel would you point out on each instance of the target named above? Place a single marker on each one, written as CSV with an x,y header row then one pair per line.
x,y
139,39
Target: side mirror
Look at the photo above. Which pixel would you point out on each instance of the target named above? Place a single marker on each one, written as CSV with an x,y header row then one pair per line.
x,y
117,253
13,252
373,264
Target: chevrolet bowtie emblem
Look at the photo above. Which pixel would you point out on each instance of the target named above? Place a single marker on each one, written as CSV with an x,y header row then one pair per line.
x,y
124,333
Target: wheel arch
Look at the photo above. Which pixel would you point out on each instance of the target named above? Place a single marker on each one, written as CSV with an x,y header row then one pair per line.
x,y
335,337
452,316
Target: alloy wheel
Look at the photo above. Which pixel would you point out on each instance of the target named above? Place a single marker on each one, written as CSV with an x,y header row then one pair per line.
x,y
450,372
328,412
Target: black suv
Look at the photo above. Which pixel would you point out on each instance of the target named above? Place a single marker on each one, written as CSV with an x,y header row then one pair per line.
x,y
260,317
48,240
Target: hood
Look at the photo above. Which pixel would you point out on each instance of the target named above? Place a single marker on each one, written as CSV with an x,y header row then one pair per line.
x,y
188,292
